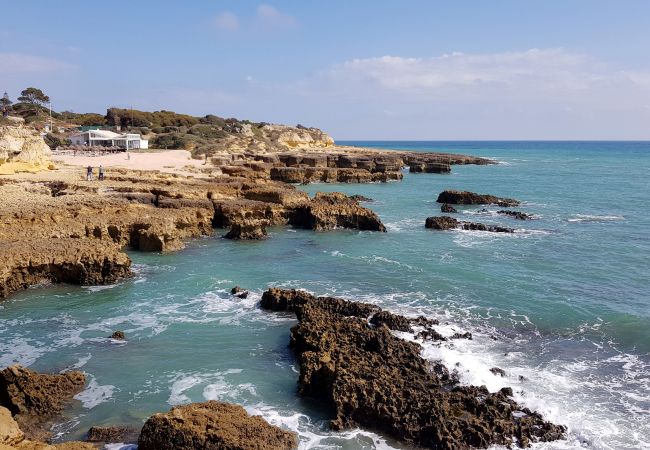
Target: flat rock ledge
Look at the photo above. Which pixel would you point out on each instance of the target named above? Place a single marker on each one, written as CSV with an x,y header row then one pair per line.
x,y
350,359
449,223
212,425
36,398
64,260
471,198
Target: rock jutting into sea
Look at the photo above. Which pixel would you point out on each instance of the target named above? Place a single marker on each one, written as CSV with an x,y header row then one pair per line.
x,y
470,198
212,425
449,223
36,398
351,360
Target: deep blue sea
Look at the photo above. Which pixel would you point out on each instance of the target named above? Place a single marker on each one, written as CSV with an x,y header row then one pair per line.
x,y
562,305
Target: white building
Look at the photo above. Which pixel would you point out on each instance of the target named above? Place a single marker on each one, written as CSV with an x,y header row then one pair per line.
x,y
105,138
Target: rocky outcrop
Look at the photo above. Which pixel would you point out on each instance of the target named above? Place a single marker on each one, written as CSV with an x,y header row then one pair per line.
x,y
212,425
73,261
516,214
370,378
248,230
239,292
447,208
34,398
12,437
22,150
449,223
328,211
471,198
118,335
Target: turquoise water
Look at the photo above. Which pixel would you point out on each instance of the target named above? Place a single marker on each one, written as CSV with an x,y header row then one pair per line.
x,y
563,302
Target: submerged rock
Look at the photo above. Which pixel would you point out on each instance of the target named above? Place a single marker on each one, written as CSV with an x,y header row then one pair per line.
x,y
212,425
113,433
118,335
447,208
471,198
373,379
449,223
516,214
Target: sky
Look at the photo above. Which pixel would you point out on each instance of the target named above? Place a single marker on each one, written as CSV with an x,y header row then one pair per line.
x,y
370,70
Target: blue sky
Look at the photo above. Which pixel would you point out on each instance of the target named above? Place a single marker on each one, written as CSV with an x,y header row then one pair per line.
x,y
456,69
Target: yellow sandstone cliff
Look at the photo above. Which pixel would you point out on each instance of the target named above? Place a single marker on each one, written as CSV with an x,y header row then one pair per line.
x,y
22,150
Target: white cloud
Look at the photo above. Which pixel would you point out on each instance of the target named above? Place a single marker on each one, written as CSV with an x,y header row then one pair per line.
x,y
226,21
20,63
269,16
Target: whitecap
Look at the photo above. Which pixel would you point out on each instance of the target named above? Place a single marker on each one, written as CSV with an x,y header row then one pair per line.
x,y
594,218
95,394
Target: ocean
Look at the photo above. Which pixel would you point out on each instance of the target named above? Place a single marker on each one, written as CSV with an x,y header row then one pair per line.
x,y
562,305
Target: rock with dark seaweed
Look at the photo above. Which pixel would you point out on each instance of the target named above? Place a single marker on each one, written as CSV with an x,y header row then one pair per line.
x,y
370,378
447,208
113,433
361,198
498,371
515,214
471,198
212,425
327,211
449,223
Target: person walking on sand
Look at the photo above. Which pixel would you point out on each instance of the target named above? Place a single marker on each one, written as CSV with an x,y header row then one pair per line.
x,y
101,173
89,173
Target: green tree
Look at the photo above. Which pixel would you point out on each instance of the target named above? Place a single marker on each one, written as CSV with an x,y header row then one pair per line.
x,y
5,104
34,96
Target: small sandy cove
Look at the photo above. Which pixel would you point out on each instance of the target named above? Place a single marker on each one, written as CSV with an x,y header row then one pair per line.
x,y
174,161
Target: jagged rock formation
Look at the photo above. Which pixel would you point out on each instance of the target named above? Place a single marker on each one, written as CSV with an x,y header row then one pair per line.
x,y
471,198
371,378
516,214
212,425
34,398
449,223
22,150
13,438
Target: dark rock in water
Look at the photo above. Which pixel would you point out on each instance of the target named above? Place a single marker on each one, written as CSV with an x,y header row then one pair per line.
x,y
430,335
516,214
447,208
473,226
466,335
361,198
119,335
449,223
239,292
498,371
471,198
34,398
373,379
113,433
441,223
212,425
429,167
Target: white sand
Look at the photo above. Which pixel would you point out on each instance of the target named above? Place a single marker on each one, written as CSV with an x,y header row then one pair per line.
x,y
165,160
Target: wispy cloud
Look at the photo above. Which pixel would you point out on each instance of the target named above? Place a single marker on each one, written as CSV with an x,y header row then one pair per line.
x,y
265,18
271,17
226,21
20,63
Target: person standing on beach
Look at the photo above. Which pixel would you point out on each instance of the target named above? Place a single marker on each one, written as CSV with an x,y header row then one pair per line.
x,y
89,173
101,173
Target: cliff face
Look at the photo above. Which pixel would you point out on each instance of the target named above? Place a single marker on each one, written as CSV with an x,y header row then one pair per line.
x,y
22,150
